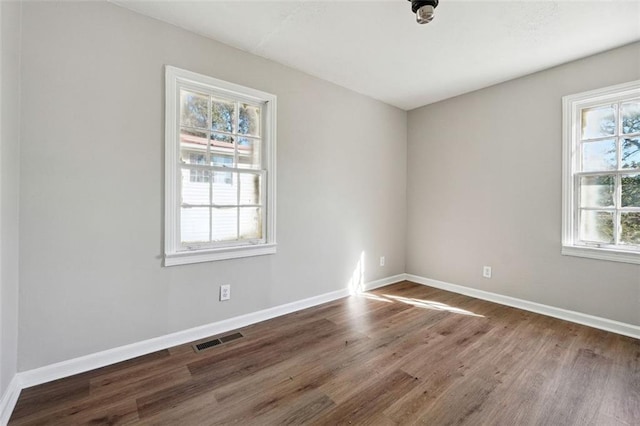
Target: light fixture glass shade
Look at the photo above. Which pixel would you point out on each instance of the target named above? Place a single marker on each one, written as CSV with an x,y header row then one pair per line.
x,y
425,14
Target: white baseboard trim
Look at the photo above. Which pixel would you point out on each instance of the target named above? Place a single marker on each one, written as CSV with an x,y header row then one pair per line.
x,y
384,281
111,356
9,399
564,314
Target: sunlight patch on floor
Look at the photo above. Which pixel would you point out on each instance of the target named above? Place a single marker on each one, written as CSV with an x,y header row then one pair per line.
x,y
430,304
372,296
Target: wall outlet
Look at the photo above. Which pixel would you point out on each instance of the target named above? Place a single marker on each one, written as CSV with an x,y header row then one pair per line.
x,y
486,271
381,260
225,292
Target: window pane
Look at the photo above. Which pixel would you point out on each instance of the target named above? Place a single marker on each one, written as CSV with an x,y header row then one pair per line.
x,y
218,139
193,156
596,226
631,191
225,188
222,160
194,224
197,158
631,117
249,120
249,153
224,224
250,188
195,186
630,153
250,223
599,155
630,232
193,109
221,147
597,191
222,115
598,122
193,139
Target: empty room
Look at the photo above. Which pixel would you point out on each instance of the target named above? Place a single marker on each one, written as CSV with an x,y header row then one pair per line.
x,y
320,212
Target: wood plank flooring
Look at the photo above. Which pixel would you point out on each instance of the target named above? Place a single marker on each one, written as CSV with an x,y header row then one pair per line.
x,y
403,354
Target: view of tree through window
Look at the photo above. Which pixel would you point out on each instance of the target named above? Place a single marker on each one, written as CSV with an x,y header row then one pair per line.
x,y
609,175
220,144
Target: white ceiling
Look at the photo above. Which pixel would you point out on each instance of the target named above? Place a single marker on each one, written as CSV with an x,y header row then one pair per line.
x,y
376,48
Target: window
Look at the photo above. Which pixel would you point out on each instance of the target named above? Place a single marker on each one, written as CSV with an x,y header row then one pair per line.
x,y
219,169
601,174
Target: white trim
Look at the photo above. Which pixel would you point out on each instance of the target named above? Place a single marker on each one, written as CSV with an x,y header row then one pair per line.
x,y
605,94
174,254
9,399
551,311
571,104
185,258
372,285
233,90
601,254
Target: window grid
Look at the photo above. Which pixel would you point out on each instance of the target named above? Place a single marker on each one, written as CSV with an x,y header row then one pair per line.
x,y
235,136
617,209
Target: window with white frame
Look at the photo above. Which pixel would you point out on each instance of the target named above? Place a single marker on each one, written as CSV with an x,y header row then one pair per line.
x,y
601,173
219,169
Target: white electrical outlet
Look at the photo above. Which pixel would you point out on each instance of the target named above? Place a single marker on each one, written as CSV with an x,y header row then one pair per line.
x,y
486,271
381,260
225,292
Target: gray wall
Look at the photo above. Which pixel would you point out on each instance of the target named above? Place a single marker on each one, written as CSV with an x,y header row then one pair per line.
x,y
92,194
9,186
484,188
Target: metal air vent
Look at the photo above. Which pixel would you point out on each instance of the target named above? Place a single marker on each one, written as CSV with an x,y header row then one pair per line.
x,y
199,347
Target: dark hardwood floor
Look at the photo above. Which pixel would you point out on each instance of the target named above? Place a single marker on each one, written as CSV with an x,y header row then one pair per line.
x,y
403,354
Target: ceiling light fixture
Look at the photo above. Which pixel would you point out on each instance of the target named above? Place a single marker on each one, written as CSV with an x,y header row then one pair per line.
x,y
424,10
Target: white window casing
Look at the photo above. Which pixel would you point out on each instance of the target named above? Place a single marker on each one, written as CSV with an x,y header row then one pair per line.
x,y
574,172
218,171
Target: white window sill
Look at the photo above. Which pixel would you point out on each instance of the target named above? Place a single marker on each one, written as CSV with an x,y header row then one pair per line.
x,y
198,256
602,254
